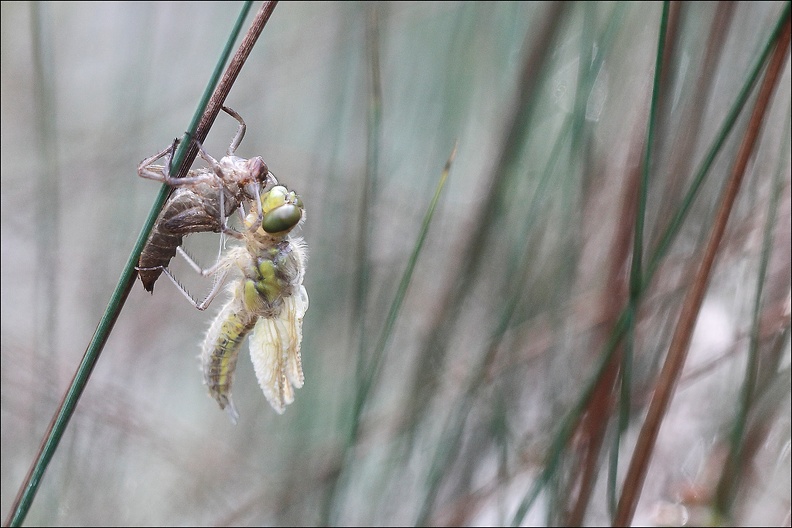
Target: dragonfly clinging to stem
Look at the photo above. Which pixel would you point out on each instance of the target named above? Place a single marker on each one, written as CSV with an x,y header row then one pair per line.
x,y
268,302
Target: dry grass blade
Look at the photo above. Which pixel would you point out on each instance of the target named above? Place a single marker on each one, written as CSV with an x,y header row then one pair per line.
x,y
669,375
599,408
433,353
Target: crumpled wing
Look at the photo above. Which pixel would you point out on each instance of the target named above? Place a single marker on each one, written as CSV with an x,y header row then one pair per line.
x,y
275,351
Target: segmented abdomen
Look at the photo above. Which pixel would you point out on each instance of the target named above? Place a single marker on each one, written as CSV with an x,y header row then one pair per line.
x,y
188,210
221,349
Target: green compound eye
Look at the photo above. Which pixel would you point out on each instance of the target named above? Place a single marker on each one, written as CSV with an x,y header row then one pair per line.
x,y
275,198
281,219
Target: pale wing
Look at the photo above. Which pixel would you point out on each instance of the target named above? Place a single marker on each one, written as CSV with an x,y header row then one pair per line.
x,y
275,351
296,306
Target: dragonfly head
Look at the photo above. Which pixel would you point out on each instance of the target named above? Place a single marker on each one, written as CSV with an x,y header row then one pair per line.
x,y
282,209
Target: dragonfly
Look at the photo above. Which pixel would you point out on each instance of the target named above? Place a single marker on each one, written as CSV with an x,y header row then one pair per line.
x,y
267,303
199,202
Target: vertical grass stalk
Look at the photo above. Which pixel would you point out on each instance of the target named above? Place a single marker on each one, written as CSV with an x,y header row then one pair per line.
x,y
731,476
672,368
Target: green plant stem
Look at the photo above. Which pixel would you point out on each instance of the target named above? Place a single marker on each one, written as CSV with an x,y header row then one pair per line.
x,y
568,424
672,368
730,477
636,271
378,353
365,229
182,161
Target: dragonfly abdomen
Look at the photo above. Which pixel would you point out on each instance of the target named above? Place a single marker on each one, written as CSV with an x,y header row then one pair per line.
x,y
220,352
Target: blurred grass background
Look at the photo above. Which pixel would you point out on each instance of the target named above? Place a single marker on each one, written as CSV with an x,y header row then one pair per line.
x,y
514,295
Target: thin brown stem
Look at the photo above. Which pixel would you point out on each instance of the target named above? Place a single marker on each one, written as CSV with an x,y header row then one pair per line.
x,y
677,353
599,409
227,81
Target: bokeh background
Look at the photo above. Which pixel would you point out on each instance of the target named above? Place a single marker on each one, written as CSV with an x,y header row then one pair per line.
x,y
513,298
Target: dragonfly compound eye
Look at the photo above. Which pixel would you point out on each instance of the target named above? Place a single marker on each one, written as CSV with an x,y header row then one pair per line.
x,y
274,198
281,218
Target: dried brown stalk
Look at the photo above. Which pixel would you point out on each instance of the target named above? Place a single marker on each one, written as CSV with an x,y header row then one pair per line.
x,y
675,360
225,84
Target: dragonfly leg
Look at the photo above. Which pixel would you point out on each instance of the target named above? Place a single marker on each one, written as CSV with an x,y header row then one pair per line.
x,y
219,175
212,270
208,158
259,206
224,229
240,132
216,285
147,169
203,305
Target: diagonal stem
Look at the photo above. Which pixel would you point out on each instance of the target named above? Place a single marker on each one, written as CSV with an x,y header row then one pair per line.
x,y
675,360
68,404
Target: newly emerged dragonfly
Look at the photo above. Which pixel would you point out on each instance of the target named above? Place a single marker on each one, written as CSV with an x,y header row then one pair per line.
x,y
268,302
200,201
